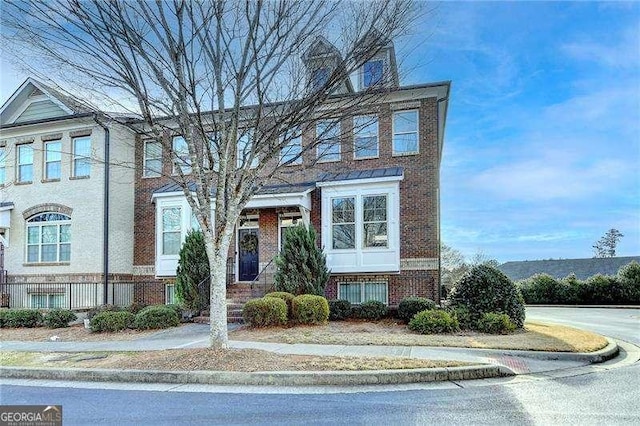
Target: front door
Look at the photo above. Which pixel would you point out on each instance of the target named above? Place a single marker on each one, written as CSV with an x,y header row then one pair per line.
x,y
247,254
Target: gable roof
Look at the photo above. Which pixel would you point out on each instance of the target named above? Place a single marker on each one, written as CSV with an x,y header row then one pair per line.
x,y
582,268
35,101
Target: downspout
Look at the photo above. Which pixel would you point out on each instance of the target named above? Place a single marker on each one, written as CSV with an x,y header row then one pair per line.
x,y
441,149
105,213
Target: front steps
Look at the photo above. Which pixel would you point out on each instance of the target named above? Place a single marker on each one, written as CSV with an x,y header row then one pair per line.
x,y
237,295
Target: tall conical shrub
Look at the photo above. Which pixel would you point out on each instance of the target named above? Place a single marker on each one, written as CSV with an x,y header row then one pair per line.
x,y
301,265
192,278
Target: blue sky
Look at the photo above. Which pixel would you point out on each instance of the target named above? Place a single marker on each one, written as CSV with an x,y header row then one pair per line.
x,y
542,147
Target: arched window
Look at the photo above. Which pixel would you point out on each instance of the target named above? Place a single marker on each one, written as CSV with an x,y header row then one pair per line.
x,y
48,238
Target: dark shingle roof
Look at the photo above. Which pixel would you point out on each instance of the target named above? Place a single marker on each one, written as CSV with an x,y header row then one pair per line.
x,y
582,268
361,174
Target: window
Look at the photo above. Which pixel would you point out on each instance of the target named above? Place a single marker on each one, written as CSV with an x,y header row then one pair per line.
x,y
245,150
52,160
365,137
290,154
49,238
170,295
360,292
47,301
181,155
343,220
3,165
171,230
288,220
405,132
372,73
319,78
328,134
82,156
25,163
152,159
374,221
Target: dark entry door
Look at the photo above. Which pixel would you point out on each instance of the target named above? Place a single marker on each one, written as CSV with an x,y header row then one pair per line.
x,y
247,254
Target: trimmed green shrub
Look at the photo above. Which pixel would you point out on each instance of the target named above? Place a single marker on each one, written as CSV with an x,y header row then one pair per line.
x,y
176,308
629,278
265,312
301,265
310,309
111,321
27,318
287,297
192,276
59,318
463,316
370,310
409,306
103,308
494,323
135,307
339,310
156,316
433,321
3,314
484,288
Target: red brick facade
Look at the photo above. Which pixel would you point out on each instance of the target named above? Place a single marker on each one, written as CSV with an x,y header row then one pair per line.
x,y
419,201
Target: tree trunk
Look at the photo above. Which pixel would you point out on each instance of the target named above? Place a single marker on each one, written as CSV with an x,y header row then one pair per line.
x,y
218,335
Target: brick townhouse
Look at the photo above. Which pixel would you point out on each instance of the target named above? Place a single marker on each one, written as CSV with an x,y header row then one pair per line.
x,y
370,189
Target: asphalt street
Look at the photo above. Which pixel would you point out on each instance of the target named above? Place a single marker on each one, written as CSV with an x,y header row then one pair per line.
x,y
603,397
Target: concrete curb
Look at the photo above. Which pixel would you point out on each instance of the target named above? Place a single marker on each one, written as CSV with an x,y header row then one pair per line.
x,y
275,378
585,306
608,352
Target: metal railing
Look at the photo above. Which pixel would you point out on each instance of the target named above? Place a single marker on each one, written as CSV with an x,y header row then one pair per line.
x,y
79,295
263,282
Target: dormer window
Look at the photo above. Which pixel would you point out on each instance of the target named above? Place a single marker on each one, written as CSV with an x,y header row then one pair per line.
x,y
319,78
372,73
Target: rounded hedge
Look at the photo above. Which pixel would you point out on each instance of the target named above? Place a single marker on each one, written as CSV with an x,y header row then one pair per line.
x,y
433,321
265,312
370,310
339,310
27,318
409,306
111,321
155,317
486,289
494,323
310,309
59,318
287,297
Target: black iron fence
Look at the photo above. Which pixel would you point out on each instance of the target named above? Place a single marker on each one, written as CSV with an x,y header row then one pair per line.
x,y
80,295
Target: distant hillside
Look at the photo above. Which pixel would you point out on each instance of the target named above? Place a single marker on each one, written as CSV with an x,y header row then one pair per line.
x,y
582,268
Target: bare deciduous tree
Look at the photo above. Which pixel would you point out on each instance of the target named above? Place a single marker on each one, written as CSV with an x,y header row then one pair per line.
x,y
226,75
606,246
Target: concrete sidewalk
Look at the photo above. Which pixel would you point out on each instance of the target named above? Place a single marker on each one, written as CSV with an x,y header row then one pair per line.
x,y
196,336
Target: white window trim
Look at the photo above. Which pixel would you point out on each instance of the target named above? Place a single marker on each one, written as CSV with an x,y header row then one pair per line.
x,y
75,156
355,222
146,172
175,156
393,133
46,162
371,259
322,158
362,284
363,222
58,224
166,264
3,164
48,295
286,215
287,147
356,134
19,164
382,76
